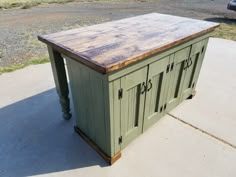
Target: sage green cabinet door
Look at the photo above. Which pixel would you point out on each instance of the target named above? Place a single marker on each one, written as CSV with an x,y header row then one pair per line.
x,y
132,105
193,68
175,78
155,92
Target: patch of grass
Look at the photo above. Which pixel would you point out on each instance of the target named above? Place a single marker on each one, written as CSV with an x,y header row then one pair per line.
x,y
1,53
26,4
226,31
14,67
32,41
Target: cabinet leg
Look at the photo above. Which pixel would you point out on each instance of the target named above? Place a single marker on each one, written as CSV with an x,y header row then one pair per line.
x,y
59,74
65,106
193,95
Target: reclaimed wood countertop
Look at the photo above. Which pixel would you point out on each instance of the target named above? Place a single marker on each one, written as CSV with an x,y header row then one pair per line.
x,y
110,46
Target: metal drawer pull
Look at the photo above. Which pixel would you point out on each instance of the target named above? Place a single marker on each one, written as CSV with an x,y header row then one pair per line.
x,y
143,88
191,62
149,85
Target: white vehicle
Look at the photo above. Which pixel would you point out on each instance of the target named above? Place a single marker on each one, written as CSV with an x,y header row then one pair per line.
x,y
232,5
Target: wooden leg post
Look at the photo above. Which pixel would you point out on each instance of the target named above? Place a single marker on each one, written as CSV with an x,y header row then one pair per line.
x,y
59,74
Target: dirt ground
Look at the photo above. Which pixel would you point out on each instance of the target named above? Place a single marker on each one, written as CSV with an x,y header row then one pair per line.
x,y
19,27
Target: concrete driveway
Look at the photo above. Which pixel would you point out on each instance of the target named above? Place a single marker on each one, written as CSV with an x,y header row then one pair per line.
x,y
197,139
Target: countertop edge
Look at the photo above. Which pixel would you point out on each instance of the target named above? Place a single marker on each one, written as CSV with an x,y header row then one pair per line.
x,y
72,54
105,70
127,62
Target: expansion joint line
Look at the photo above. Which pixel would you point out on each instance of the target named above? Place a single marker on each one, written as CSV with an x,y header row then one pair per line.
x,y
203,131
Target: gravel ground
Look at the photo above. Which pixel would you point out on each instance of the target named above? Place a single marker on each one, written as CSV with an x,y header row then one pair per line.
x,y
19,28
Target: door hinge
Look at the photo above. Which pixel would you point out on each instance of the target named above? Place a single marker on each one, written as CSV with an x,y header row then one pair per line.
x,y
120,93
120,140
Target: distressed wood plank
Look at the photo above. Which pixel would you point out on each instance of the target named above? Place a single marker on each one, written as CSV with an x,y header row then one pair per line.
x,y
111,46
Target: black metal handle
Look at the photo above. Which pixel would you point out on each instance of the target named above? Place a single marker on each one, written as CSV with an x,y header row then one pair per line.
x,y
168,68
164,106
203,48
185,64
191,62
149,84
172,66
143,88
161,108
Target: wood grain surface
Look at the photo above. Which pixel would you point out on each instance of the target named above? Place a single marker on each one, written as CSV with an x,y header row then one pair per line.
x,y
110,46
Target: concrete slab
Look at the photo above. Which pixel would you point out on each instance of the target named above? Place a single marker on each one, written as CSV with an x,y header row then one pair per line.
x,y
213,108
36,141
24,83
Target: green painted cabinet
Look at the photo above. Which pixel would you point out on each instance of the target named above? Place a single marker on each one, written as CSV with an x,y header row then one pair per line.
x,y
124,79
113,109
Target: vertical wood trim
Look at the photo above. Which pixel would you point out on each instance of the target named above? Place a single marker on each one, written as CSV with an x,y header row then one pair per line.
x,y
115,115
107,120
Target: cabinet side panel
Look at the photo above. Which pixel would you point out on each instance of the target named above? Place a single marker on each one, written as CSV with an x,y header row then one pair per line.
x,y
88,88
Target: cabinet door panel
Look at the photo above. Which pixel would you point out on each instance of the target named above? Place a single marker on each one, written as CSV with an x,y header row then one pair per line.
x,y
132,105
175,78
155,91
193,70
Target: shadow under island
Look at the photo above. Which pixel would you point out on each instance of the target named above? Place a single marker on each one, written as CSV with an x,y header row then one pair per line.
x,y
34,139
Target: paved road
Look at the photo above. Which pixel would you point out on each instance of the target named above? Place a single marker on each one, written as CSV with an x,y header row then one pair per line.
x,y
19,28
